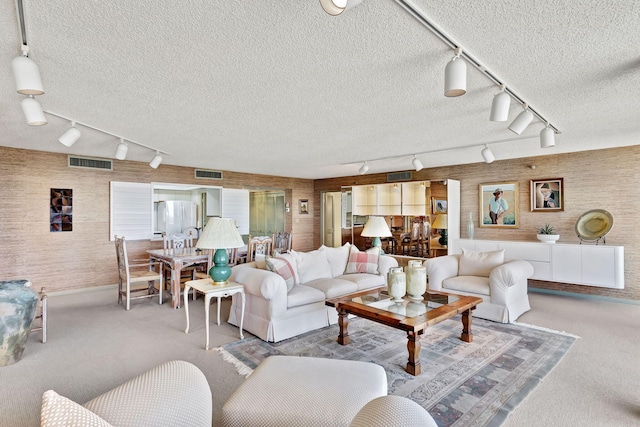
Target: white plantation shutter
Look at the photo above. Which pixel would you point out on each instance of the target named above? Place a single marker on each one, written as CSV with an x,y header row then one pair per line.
x,y
131,207
235,205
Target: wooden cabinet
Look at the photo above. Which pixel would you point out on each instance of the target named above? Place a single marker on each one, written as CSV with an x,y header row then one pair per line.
x,y
389,199
364,199
406,199
592,265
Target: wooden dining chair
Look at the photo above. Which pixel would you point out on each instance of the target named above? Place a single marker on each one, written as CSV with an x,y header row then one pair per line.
x,y
425,239
281,242
259,246
132,275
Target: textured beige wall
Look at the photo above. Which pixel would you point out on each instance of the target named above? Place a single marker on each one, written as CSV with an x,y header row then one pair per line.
x,y
85,257
602,179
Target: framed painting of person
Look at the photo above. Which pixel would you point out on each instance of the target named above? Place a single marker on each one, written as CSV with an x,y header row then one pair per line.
x,y
547,195
499,205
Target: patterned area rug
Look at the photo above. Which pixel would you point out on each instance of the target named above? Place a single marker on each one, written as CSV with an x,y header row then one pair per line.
x,y
462,384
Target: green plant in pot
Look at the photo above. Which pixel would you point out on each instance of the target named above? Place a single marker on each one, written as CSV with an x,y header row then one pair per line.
x,y
547,234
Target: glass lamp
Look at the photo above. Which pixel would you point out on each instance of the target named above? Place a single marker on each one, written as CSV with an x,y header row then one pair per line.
x,y
376,227
220,234
441,224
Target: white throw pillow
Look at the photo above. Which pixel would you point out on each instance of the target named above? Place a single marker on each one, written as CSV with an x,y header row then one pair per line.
x,y
363,262
292,260
337,257
282,267
312,265
57,410
473,263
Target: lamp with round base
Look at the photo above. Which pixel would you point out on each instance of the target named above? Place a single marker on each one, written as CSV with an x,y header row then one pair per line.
x,y
376,227
441,224
220,234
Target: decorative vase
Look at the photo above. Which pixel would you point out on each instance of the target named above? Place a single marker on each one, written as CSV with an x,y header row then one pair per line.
x,y
396,283
416,280
470,227
548,238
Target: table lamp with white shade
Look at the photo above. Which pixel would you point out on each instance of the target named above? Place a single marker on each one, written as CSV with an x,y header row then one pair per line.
x,y
376,227
220,234
441,224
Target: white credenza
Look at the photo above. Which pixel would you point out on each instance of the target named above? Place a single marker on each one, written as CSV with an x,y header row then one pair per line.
x,y
592,265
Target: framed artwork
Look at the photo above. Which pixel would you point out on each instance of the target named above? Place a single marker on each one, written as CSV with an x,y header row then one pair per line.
x,y
499,205
303,206
438,206
547,195
61,210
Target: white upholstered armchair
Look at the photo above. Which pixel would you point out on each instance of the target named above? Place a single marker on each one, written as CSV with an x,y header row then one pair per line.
x,y
502,284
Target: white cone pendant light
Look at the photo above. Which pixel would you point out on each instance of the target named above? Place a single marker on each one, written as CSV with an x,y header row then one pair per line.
x,y
455,76
364,168
336,7
155,162
417,164
27,76
520,123
121,151
33,112
500,106
70,136
487,154
547,137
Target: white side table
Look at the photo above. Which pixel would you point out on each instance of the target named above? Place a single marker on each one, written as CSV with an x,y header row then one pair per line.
x,y
210,290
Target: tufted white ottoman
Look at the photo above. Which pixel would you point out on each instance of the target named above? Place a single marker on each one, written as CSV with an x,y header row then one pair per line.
x,y
304,391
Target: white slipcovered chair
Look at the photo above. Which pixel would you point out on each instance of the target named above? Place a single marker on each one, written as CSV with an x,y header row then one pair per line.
x,y
502,284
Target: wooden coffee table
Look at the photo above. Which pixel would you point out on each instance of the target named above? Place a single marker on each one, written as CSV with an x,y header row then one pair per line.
x,y
407,315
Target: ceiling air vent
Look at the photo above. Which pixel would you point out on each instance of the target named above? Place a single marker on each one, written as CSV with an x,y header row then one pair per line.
x,y
207,174
399,176
90,163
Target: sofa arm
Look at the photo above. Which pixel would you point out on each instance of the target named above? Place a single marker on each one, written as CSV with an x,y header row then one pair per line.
x,y
263,283
385,262
509,275
171,394
441,268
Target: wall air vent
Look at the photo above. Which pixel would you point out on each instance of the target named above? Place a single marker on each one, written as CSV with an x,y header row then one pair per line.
x,y
207,174
90,163
399,176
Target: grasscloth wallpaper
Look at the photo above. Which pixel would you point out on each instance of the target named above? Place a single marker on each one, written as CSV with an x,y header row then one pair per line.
x,y
603,179
85,257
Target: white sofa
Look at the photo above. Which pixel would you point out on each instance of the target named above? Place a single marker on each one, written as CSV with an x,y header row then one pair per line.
x,y
277,309
502,284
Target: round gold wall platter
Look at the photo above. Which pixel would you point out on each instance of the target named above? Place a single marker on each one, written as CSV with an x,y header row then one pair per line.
x,y
594,224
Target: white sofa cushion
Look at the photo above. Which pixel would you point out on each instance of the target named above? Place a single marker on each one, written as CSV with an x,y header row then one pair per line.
x,y
59,411
468,284
312,265
337,258
333,287
363,262
474,263
364,280
282,267
303,295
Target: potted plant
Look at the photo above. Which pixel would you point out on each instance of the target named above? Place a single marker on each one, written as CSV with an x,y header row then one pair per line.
x,y
547,234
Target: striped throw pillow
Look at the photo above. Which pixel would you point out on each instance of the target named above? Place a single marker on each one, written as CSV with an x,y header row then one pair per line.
x,y
363,262
282,267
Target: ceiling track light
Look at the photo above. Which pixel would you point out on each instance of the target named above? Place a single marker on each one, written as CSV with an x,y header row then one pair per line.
x,y
455,75
70,136
155,162
33,111
520,123
547,137
364,168
121,150
336,7
487,154
417,164
500,106
26,74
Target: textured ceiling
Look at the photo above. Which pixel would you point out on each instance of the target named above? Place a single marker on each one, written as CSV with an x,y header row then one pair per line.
x,y
279,87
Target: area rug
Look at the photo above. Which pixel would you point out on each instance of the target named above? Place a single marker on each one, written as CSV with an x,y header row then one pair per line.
x,y
462,384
